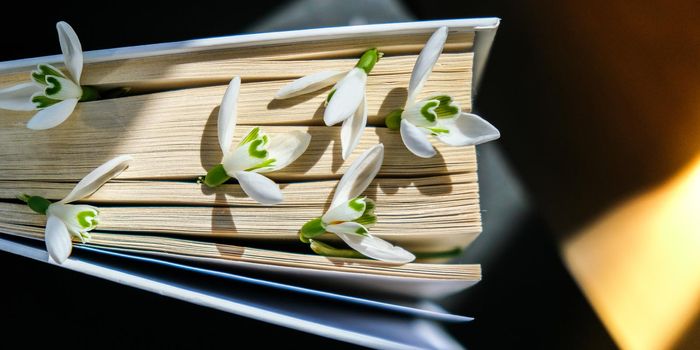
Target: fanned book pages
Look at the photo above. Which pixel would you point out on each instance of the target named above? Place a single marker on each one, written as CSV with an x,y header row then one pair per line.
x,y
162,110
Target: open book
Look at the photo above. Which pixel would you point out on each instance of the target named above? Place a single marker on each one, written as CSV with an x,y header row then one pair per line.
x,y
164,113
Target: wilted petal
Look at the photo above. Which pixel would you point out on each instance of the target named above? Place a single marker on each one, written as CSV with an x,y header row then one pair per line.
x,y
416,140
259,187
286,148
359,175
57,239
52,116
425,62
352,129
347,211
96,178
226,123
19,97
374,247
309,83
467,129
348,95
72,51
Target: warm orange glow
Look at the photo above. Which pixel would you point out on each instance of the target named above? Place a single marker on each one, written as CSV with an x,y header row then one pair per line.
x,y
640,263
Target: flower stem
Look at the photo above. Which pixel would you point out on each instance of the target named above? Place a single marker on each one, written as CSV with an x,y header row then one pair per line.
x,y
393,119
327,250
90,93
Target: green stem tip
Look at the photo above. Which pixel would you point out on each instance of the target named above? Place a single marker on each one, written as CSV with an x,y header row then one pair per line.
x,y
37,203
393,119
311,229
368,60
216,176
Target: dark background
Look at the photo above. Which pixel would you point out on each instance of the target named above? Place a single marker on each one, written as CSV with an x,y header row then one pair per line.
x,y
590,107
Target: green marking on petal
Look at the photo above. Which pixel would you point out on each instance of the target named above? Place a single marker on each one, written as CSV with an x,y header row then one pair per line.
x,y
361,231
329,97
428,110
85,236
41,101
53,86
255,149
444,99
369,206
439,131
86,218
39,78
216,176
252,135
357,204
256,140
327,250
267,163
368,219
312,228
447,108
393,119
43,70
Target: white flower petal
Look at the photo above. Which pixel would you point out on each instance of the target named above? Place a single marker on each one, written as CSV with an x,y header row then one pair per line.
x,y
286,148
348,227
53,115
467,129
425,62
59,88
19,97
352,129
70,215
416,140
57,239
72,51
246,156
309,83
96,178
371,246
226,123
259,187
422,113
345,212
359,175
348,95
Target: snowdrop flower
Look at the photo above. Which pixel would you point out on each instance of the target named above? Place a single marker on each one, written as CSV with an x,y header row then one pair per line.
x,y
50,91
350,215
256,153
345,103
437,115
64,220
